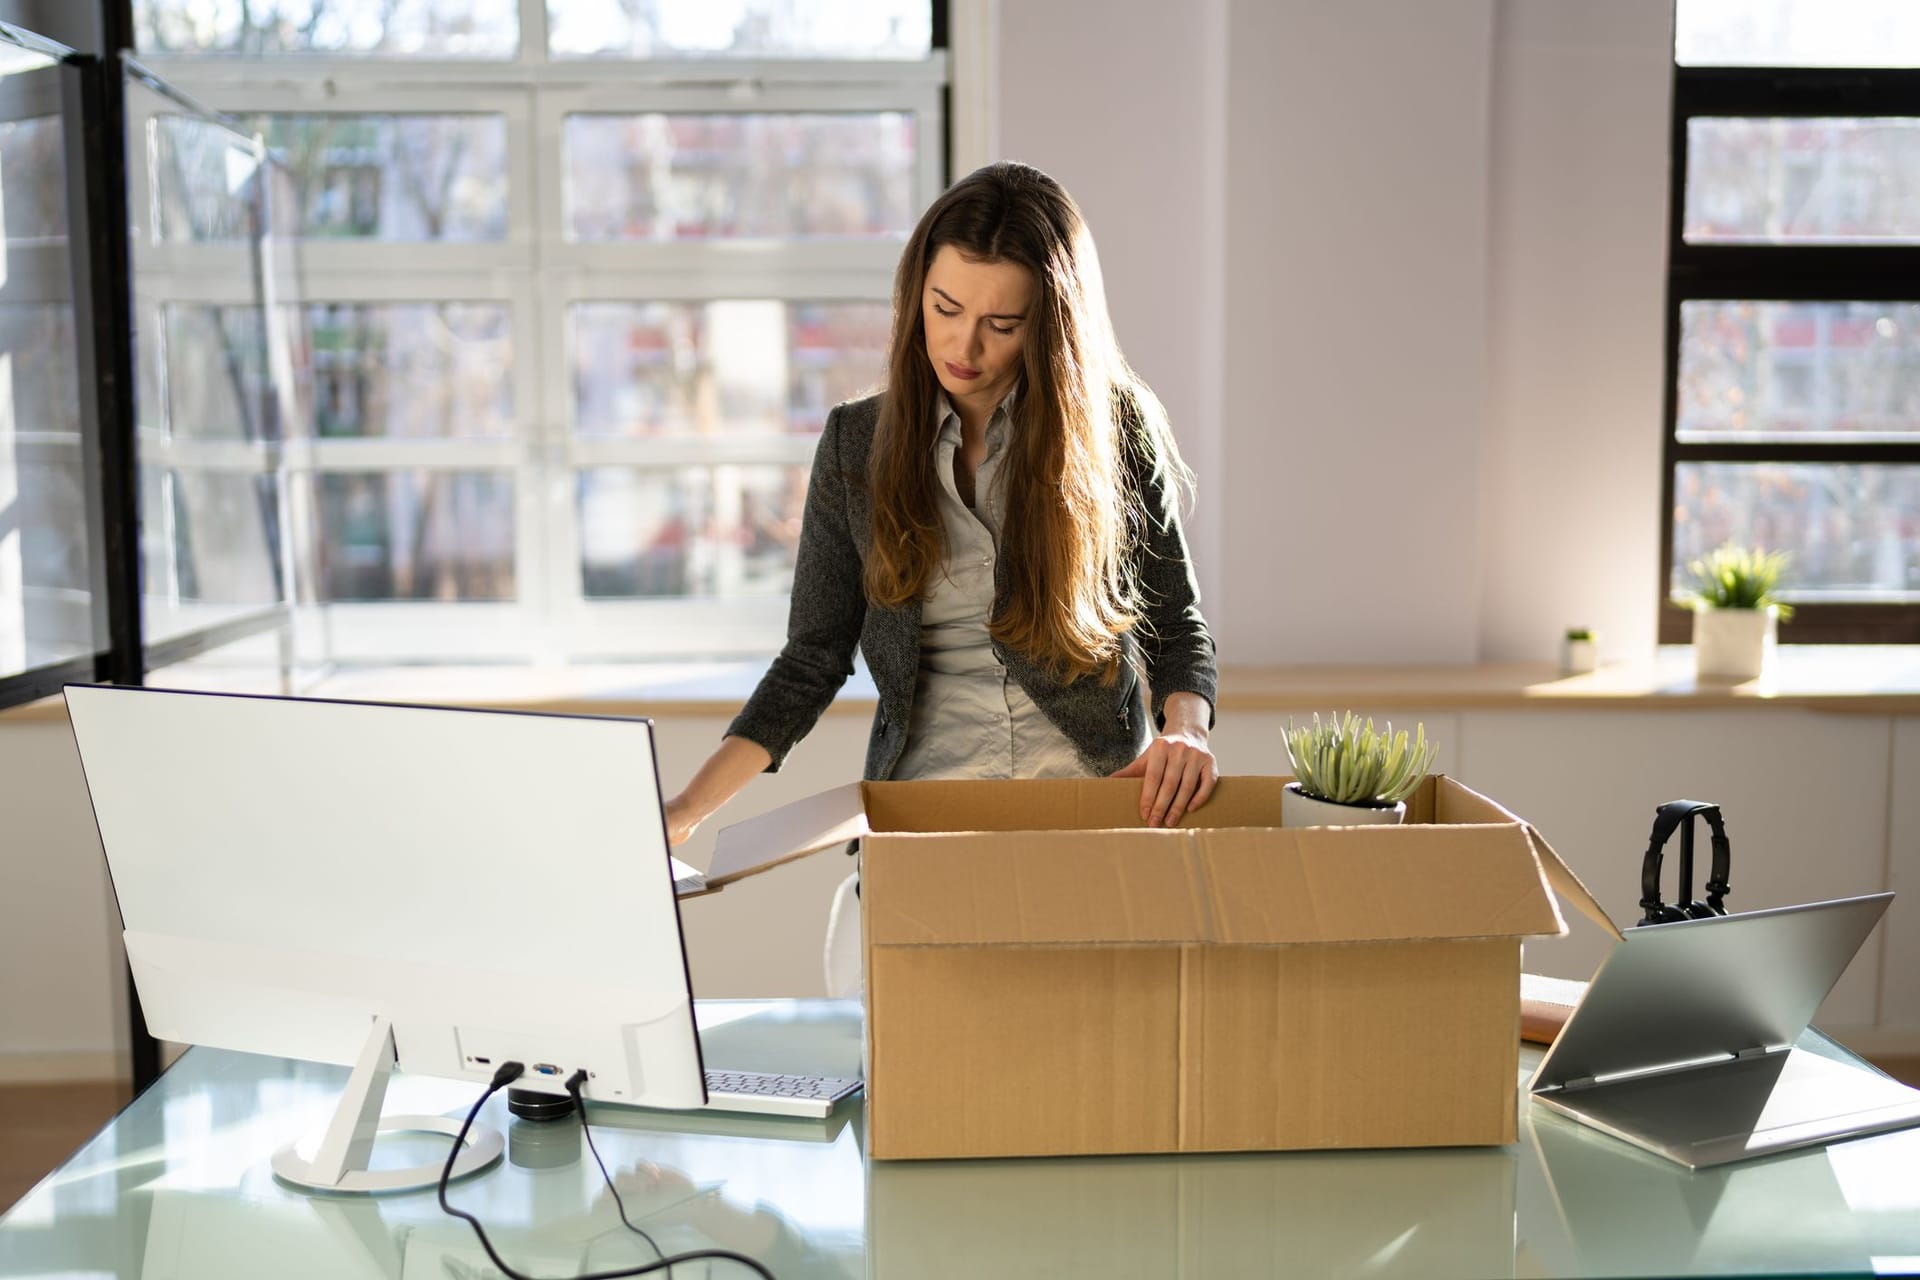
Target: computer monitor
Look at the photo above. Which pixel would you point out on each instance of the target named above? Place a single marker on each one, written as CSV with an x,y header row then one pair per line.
x,y
360,883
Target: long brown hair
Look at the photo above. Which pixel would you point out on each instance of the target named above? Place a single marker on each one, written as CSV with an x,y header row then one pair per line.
x,y
1072,513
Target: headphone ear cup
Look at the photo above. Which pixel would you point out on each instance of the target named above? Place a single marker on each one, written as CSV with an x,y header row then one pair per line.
x,y
1664,914
1700,911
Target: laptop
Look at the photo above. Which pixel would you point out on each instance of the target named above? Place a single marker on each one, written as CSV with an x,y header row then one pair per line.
x,y
1686,1042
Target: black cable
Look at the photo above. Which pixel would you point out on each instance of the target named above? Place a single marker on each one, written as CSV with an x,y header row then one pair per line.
x,y
575,1083
507,1074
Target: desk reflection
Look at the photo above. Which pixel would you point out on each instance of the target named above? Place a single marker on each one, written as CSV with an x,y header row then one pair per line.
x,y
1428,1213
1626,1212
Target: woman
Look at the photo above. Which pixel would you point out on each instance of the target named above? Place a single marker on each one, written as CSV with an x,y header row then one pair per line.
x,y
999,532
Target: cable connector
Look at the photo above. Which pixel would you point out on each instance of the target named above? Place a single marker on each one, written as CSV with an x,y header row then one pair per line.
x,y
507,1074
575,1084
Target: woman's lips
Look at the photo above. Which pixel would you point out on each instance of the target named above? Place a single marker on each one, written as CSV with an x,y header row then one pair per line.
x,y
962,372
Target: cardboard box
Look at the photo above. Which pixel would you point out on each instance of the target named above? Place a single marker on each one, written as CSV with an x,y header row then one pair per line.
x,y
1044,976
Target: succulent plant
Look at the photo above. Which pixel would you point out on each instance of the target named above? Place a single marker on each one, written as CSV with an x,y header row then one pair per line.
x,y
1346,762
1736,577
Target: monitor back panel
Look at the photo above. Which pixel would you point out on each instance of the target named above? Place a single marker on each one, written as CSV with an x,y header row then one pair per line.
x,y
470,874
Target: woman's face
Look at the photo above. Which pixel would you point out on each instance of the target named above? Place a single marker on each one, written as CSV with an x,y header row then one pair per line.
x,y
975,316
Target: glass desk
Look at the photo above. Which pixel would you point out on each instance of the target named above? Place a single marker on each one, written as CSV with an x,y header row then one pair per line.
x,y
178,1186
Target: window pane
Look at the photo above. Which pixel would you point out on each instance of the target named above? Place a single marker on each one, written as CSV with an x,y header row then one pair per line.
x,y
1803,181
417,535
437,370
697,177
212,542
740,29
1797,33
33,195
723,531
721,368
218,382
203,181
391,28
47,609
1757,369
365,177
1853,531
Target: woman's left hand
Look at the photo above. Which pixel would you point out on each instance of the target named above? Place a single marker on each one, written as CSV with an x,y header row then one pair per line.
x,y
1178,765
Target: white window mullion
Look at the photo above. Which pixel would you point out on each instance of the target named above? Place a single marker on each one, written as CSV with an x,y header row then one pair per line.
x,y
533,33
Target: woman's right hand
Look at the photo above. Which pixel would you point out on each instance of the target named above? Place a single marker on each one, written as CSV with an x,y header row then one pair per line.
x,y
718,780
682,820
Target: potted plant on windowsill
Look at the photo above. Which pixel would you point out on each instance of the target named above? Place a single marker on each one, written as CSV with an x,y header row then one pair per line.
x,y
1736,615
1347,775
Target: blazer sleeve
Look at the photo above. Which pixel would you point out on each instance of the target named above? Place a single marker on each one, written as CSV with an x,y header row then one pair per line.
x,y
1174,640
824,619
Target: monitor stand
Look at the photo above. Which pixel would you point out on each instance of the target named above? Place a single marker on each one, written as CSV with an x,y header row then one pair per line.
x,y
340,1161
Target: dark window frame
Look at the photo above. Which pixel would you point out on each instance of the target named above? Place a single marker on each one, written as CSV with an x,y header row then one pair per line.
x,y
1781,273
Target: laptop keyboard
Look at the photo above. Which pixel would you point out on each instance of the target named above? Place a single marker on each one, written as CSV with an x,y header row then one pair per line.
x,y
777,1095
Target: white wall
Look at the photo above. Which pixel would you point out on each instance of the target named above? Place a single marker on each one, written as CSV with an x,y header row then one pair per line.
x,y
1356,328
1396,268
1570,491
1124,101
60,960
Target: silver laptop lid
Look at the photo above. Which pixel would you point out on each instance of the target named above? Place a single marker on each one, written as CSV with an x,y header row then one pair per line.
x,y
1688,992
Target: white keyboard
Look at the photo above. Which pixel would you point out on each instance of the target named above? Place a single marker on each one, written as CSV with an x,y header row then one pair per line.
x,y
777,1095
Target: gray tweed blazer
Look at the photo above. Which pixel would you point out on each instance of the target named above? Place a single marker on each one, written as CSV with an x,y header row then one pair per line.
x,y
830,613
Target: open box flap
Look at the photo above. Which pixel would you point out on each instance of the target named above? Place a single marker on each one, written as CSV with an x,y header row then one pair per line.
x,y
1233,887
1456,803
1375,884
787,834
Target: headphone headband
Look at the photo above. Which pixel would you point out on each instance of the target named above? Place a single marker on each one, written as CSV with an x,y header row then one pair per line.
x,y
1680,814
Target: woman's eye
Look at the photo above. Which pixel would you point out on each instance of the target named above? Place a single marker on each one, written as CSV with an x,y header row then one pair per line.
x,y
997,329
940,310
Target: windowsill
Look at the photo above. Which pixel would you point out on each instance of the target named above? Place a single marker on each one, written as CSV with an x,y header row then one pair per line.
x,y
1872,679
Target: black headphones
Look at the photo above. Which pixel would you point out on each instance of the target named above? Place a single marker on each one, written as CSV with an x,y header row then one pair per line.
x,y
1680,813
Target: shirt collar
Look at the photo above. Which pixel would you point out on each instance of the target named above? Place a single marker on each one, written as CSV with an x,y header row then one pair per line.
x,y
949,418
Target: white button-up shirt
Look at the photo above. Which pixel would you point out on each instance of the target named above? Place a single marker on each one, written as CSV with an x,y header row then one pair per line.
x,y
970,718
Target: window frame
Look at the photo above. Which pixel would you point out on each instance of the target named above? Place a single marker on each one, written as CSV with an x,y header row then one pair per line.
x,y
541,274
1782,273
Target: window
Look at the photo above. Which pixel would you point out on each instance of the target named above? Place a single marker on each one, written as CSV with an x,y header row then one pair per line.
x,y
52,587
576,285
1794,307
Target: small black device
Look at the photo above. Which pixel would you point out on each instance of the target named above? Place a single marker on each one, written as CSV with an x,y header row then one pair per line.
x,y
1680,814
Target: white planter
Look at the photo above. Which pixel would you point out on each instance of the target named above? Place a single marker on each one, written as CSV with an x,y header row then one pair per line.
x,y
1298,809
1733,643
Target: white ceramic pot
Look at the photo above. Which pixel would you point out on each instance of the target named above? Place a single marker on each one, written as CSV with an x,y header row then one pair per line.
x,y
1577,657
1298,809
1733,643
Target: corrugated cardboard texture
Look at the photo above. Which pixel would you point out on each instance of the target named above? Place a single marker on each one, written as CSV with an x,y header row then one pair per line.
x,y
1047,977
1366,883
1060,1051
1003,1051
1071,804
1032,887
1232,886
1380,1045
